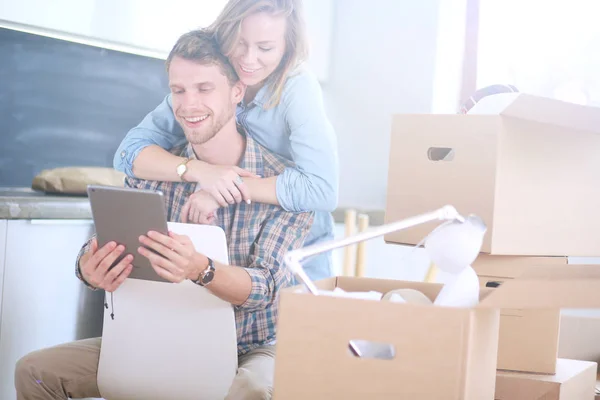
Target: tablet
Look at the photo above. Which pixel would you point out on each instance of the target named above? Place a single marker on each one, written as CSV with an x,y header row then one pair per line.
x,y
122,215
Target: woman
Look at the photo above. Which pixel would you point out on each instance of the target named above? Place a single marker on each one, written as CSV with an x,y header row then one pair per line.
x,y
282,110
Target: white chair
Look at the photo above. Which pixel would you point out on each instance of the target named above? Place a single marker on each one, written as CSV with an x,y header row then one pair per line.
x,y
170,341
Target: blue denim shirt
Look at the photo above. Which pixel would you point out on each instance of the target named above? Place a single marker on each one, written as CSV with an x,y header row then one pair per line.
x,y
297,129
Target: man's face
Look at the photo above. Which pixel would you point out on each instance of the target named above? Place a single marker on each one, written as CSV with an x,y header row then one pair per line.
x,y
203,100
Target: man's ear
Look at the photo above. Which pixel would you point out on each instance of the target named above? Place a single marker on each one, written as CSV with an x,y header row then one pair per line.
x,y
238,91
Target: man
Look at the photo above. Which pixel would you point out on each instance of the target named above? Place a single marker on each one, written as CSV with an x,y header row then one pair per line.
x,y
205,93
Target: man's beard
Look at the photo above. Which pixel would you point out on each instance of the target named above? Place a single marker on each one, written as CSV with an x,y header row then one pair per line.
x,y
203,135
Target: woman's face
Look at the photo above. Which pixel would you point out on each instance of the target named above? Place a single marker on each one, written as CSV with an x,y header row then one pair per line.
x,y
260,47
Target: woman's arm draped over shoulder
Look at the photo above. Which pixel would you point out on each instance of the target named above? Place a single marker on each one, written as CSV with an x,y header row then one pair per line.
x,y
313,183
156,134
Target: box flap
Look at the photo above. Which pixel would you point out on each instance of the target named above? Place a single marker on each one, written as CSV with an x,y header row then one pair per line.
x,y
575,286
512,266
555,112
322,284
355,284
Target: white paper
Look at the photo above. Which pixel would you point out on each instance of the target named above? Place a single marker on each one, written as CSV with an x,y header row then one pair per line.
x,y
407,295
337,292
454,245
461,291
170,341
396,298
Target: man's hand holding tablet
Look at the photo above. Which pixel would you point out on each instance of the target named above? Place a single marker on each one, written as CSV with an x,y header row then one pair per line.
x,y
95,266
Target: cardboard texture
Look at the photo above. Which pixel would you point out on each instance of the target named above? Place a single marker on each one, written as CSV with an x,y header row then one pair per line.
x,y
574,380
528,339
579,338
530,171
512,266
543,287
456,348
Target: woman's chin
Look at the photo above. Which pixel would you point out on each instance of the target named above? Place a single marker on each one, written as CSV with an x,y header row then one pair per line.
x,y
252,81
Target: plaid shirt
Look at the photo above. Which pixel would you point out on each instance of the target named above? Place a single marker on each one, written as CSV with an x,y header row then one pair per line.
x,y
258,236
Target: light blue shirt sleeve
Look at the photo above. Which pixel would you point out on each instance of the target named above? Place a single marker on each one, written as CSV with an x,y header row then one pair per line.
x,y
312,185
159,128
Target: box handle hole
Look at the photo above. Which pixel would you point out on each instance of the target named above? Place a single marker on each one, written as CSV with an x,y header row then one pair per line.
x,y
369,349
440,153
493,284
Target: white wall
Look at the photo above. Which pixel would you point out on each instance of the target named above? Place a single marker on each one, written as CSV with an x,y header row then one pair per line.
x,y
385,59
147,27
143,27
374,59
447,83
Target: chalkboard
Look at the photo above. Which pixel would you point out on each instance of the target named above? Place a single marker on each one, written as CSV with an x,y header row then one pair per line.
x,y
68,104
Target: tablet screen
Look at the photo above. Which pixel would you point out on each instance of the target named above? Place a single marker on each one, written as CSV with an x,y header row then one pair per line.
x,y
122,215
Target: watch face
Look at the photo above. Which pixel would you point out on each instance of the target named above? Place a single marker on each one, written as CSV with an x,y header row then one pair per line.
x,y
181,168
208,276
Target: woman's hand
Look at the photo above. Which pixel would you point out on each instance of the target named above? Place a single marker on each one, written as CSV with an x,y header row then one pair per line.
x,y
200,208
224,183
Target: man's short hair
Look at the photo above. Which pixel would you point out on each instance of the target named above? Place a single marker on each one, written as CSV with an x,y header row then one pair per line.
x,y
201,47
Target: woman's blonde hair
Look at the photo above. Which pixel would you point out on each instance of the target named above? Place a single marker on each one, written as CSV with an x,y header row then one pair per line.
x,y
227,28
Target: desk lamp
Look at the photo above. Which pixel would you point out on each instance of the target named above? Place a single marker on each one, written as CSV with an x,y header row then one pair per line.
x,y
452,246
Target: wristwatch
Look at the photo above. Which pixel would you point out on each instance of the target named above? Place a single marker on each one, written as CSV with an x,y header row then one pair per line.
x,y
182,168
206,276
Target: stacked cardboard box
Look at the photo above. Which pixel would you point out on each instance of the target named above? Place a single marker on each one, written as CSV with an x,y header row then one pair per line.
x,y
573,380
530,170
528,339
520,165
436,352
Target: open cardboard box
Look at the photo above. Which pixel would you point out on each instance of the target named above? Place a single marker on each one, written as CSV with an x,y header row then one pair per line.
x,y
439,353
529,169
529,338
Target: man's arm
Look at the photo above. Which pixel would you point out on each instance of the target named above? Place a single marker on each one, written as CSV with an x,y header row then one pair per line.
x,y
251,287
282,232
81,259
230,283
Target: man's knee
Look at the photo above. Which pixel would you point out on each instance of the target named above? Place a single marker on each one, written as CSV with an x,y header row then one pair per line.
x,y
27,370
249,387
258,392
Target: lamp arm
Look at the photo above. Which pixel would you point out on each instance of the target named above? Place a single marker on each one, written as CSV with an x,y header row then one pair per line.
x,y
293,258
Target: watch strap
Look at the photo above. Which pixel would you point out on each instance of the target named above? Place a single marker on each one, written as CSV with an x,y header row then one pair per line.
x,y
210,268
179,169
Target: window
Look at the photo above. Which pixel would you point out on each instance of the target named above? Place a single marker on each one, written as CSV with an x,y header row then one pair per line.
x,y
547,48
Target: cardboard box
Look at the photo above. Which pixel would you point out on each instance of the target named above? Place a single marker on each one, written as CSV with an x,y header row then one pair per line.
x,y
454,348
440,352
530,170
574,380
512,266
579,337
528,339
